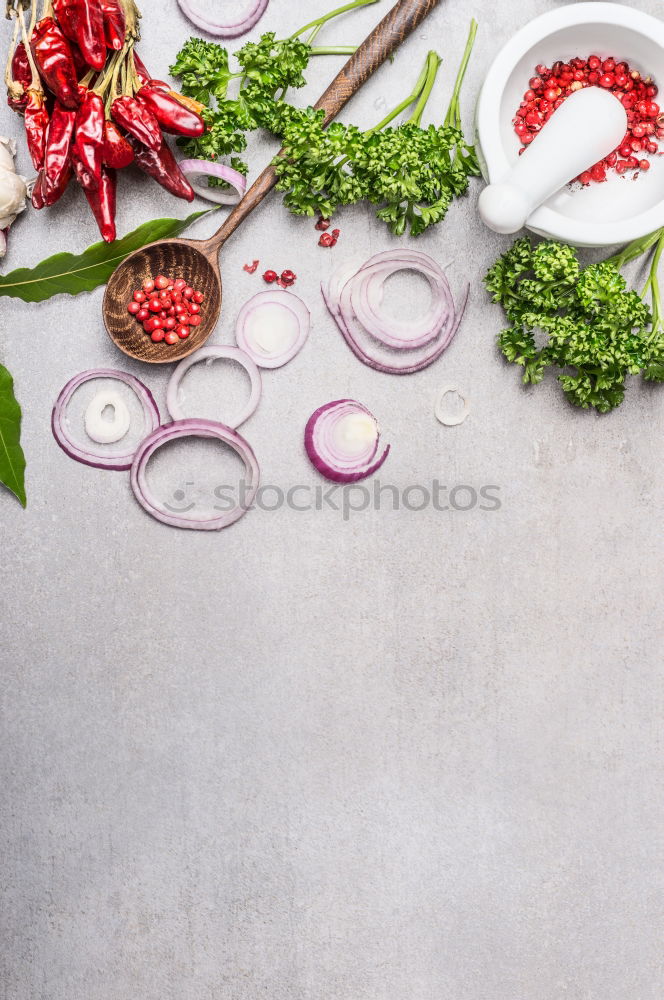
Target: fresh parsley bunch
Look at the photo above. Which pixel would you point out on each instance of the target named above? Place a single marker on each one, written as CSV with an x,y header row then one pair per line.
x,y
596,329
412,174
266,70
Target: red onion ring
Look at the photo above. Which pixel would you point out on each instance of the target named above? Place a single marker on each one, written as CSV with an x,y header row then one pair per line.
x,y
116,461
274,306
210,352
333,449
195,169
353,296
254,11
193,428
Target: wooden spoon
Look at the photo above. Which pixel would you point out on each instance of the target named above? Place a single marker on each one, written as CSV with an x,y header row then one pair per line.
x,y
197,261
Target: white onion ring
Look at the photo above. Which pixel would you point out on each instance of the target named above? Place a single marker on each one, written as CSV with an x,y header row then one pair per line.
x,y
280,304
341,439
210,353
107,431
254,11
116,461
202,429
447,419
195,169
353,296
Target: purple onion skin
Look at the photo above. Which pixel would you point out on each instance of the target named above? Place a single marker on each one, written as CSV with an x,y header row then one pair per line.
x,y
96,462
256,11
327,470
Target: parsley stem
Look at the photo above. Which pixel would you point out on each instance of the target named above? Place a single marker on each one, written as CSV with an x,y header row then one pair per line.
x,y
453,116
334,50
431,66
320,21
423,77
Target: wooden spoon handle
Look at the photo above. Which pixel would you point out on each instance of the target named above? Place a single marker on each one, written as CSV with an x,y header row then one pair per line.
x,y
395,27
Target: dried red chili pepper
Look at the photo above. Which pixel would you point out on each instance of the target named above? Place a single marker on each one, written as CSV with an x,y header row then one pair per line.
x,y
115,24
89,141
171,114
82,22
53,56
117,151
141,69
36,124
102,201
57,161
163,167
137,119
38,191
21,78
187,102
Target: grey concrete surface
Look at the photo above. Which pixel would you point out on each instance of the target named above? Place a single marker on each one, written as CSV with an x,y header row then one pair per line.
x,y
407,755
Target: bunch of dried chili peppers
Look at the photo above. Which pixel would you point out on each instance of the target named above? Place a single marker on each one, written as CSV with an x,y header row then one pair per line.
x,y
89,104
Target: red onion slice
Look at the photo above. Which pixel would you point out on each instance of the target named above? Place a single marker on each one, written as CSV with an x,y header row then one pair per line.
x,y
118,461
201,429
254,11
211,353
273,327
341,439
353,296
195,170
442,415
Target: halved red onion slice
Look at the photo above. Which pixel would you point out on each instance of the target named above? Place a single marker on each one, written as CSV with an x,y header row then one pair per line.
x,y
244,22
341,439
272,327
196,170
210,353
353,296
200,429
120,460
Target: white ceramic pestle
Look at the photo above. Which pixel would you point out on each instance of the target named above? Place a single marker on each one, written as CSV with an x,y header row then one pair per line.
x,y
587,127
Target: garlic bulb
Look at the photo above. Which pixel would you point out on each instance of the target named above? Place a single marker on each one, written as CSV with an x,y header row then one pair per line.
x,y
13,190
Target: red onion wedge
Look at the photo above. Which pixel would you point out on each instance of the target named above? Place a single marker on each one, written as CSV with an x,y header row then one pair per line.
x,y
354,297
342,439
102,458
199,429
272,327
196,170
243,22
210,354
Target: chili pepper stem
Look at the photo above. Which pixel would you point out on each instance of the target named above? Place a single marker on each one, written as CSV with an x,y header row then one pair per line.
x,y
9,80
35,83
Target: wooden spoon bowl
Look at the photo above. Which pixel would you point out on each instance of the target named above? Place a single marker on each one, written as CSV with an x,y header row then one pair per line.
x,y
197,261
174,259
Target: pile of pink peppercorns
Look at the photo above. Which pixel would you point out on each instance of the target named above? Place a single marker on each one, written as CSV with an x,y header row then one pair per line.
x,y
550,87
166,309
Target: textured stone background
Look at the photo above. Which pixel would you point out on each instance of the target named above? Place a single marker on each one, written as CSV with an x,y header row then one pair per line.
x,y
410,755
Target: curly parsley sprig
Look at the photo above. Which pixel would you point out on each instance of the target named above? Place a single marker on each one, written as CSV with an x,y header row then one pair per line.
x,y
596,329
